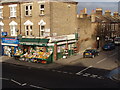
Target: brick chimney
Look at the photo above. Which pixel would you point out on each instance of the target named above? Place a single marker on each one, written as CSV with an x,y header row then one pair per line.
x,y
108,13
99,11
83,13
115,14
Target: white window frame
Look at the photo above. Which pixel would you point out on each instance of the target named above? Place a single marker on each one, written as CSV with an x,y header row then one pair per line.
x,y
1,11
42,30
29,10
29,30
1,28
13,30
42,10
13,11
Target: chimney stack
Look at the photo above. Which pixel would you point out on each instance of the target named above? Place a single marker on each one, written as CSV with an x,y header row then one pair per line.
x,y
108,13
99,11
83,13
115,14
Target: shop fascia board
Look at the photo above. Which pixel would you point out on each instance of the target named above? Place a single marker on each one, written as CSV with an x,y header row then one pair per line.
x,y
61,38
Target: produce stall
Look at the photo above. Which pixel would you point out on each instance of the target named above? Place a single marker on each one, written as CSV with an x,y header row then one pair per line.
x,y
34,55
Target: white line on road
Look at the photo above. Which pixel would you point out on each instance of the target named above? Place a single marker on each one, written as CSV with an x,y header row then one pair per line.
x,y
4,78
101,60
78,73
38,87
65,72
16,82
113,55
93,76
59,71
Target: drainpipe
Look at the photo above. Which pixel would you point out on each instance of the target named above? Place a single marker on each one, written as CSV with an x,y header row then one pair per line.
x,y
20,15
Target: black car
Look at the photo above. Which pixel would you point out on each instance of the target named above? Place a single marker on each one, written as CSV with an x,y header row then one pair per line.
x,y
90,53
109,46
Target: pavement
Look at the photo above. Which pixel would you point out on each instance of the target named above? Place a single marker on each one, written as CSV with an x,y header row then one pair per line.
x,y
55,64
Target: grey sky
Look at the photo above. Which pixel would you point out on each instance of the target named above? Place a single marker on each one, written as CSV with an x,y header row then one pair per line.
x,y
113,6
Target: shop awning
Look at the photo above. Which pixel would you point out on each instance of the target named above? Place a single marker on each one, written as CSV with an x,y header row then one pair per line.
x,y
34,40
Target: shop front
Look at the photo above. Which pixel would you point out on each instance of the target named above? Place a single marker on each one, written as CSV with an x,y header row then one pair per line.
x,y
66,46
34,50
9,46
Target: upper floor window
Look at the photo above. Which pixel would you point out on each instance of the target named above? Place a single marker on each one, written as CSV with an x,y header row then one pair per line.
x,y
1,26
1,11
28,10
13,10
42,7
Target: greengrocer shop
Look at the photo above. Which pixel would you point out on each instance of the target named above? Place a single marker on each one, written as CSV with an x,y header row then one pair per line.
x,y
46,50
34,50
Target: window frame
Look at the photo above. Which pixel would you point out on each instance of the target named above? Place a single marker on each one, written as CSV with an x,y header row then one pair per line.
x,y
1,11
28,30
42,10
13,30
29,10
13,10
42,31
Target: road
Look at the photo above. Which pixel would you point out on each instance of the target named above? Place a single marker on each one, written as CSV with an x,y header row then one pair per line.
x,y
84,73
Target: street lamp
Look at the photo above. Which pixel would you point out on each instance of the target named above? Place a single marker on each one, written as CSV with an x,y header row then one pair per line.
x,y
98,38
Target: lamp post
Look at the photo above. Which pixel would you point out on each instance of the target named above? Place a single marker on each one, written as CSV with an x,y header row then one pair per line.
x,y
98,38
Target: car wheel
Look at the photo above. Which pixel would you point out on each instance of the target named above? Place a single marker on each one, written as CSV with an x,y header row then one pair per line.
x,y
93,56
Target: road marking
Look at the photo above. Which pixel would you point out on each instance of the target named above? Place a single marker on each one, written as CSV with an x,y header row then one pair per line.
x,y
113,55
53,70
86,74
24,84
78,73
100,77
38,87
101,60
16,82
65,72
93,76
70,73
59,71
4,78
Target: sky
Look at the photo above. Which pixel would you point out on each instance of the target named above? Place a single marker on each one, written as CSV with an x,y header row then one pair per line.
x,y
113,6
98,0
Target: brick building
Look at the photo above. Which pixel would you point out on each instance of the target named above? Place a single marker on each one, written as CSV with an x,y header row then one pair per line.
x,y
104,26
43,24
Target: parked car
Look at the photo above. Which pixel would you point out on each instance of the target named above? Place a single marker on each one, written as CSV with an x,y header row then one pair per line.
x,y
90,53
117,41
109,46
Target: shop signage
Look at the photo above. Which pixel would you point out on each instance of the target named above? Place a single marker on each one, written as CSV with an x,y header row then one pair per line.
x,y
4,33
10,41
26,43
62,38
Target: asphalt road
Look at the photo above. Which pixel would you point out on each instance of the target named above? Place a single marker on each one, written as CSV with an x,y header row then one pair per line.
x,y
84,73
25,77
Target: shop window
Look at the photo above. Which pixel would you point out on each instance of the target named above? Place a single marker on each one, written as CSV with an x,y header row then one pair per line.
x,y
28,10
13,30
12,10
1,11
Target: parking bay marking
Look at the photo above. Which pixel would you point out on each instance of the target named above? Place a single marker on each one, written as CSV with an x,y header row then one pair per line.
x,y
78,73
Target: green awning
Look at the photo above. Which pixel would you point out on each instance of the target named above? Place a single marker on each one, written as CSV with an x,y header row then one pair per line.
x,y
34,40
